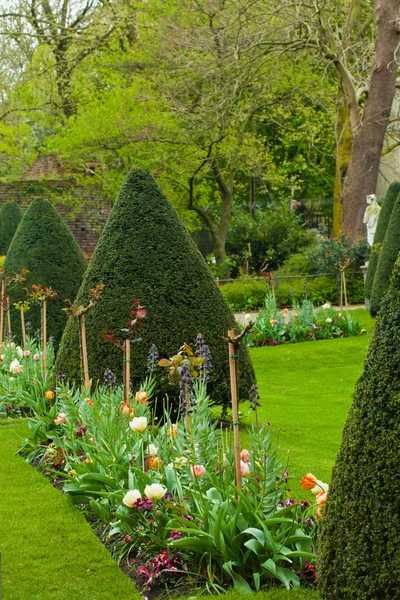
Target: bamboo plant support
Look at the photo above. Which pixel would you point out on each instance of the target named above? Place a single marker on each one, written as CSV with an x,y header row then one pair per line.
x,y
233,347
235,412
22,313
3,291
85,363
127,370
44,338
7,301
345,292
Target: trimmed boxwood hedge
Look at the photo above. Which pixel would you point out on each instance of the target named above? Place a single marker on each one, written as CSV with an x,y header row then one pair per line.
x,y
359,549
10,216
45,246
145,253
386,260
383,222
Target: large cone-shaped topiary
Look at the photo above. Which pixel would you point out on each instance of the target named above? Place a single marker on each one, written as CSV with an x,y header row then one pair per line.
x,y
383,222
45,246
359,551
387,258
10,216
145,253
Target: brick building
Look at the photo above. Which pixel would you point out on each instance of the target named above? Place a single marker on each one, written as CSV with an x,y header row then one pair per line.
x,y
84,214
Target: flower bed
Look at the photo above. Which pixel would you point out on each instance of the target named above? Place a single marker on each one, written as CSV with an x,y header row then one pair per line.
x,y
162,491
304,323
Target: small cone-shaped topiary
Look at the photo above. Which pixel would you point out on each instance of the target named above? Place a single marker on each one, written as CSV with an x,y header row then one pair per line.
x,y
359,550
45,246
383,222
387,258
10,216
145,253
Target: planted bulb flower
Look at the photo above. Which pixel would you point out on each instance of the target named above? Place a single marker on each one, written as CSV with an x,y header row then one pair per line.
x,y
138,424
131,498
155,491
19,351
197,471
152,450
15,366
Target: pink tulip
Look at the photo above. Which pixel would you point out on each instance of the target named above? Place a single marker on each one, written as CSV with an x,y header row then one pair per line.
x,y
244,455
27,353
197,471
244,469
36,357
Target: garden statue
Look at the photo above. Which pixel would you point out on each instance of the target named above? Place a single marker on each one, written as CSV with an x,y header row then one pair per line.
x,y
371,217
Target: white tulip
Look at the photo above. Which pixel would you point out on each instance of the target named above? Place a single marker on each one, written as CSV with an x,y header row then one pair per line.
x,y
152,450
15,366
138,424
319,488
326,306
20,352
131,498
154,491
328,320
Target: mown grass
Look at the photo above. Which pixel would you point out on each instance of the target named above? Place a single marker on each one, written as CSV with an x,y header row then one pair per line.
x,y
49,551
306,391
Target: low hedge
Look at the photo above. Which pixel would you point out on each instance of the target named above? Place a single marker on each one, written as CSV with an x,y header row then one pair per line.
x,y
244,295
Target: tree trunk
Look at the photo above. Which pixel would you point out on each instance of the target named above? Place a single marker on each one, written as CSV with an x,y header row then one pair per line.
x,y
362,174
343,150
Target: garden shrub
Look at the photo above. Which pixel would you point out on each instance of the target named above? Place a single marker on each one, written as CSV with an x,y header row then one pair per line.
x,y
10,216
296,264
359,551
45,246
383,222
324,257
145,253
274,234
386,260
244,295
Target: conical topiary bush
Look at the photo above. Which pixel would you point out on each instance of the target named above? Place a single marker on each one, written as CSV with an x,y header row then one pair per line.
x,y
10,216
145,253
383,222
386,260
359,549
45,246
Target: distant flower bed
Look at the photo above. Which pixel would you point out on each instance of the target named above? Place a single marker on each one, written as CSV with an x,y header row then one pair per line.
x,y
303,323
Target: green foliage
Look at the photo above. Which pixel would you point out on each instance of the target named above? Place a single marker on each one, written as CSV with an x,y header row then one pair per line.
x,y
244,295
46,247
145,253
383,222
360,545
386,260
325,256
274,233
296,264
10,216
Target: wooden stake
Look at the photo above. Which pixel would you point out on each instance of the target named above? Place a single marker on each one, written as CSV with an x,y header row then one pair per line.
x,y
23,325
8,317
235,412
85,364
3,291
127,370
345,292
44,338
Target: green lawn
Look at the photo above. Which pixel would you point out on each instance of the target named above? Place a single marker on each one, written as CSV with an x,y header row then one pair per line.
x,y
306,392
49,551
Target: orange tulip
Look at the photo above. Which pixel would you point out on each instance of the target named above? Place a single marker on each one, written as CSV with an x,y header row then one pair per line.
x,y
309,481
173,430
156,463
321,499
49,395
126,409
141,397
